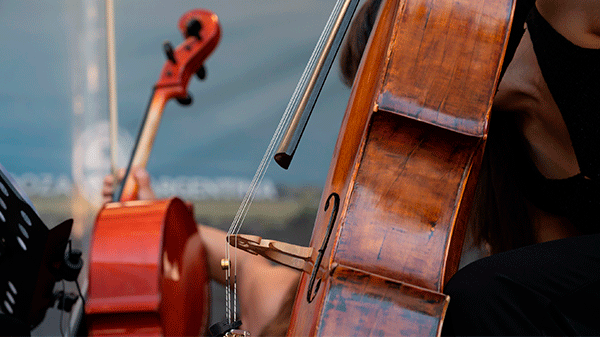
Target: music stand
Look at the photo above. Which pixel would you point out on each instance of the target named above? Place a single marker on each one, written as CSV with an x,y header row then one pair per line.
x,y
30,256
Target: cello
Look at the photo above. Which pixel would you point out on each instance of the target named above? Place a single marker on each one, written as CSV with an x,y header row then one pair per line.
x,y
403,173
147,265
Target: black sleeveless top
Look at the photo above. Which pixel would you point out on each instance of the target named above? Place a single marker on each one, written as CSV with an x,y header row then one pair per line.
x,y
572,74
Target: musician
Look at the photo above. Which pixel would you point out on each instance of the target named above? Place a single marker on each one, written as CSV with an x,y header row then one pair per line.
x,y
540,184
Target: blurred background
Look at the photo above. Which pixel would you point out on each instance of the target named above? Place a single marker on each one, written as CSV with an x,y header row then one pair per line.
x,y
54,112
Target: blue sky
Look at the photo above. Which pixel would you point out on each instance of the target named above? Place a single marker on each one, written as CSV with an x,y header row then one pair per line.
x,y
251,76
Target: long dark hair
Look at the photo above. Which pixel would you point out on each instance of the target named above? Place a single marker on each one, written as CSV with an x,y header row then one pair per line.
x,y
356,39
499,216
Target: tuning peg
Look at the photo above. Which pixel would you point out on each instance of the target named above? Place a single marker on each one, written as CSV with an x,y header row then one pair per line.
x,y
187,100
168,48
201,73
193,28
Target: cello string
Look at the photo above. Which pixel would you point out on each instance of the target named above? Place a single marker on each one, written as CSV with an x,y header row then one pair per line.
x,y
227,297
270,151
243,209
234,311
284,122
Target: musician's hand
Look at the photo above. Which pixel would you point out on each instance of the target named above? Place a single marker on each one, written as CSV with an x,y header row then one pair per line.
x,y
142,178
108,186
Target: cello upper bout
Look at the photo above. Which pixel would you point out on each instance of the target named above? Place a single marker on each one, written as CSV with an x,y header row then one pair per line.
x,y
445,62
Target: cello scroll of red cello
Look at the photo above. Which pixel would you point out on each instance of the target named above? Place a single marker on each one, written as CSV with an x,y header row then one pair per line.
x,y
147,271
402,175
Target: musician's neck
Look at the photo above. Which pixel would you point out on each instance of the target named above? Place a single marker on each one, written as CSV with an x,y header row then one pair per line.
x,y
576,20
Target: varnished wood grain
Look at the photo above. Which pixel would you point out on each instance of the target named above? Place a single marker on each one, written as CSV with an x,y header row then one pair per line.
x,y
408,153
305,315
404,200
443,62
367,305
147,260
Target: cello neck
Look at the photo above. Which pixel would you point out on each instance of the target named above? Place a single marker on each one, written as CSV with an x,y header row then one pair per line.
x,y
201,31
143,144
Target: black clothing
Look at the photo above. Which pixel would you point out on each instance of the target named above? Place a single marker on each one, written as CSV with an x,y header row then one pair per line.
x,y
516,30
552,288
10,326
572,74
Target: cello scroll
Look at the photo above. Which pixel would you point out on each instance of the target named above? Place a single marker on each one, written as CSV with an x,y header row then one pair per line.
x,y
202,33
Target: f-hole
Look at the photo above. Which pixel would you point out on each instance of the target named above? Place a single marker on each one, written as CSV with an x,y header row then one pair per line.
x,y
310,295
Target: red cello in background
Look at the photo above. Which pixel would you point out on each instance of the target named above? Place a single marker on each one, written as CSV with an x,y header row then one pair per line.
x,y
147,271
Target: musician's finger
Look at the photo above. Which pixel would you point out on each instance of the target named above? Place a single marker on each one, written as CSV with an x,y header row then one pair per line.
x,y
106,199
145,191
107,186
121,173
108,180
189,205
107,191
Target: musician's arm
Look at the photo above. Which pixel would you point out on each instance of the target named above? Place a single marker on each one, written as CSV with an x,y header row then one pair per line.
x,y
249,266
262,286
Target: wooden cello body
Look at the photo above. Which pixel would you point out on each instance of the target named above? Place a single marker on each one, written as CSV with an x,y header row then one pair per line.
x,y
148,269
404,168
